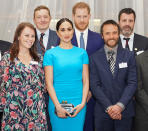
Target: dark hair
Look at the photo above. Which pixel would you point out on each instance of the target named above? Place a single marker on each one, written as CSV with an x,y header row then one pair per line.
x,y
108,22
80,5
61,21
40,8
127,11
14,49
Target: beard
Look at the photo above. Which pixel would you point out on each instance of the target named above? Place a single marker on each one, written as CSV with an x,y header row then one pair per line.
x,y
81,26
107,42
127,30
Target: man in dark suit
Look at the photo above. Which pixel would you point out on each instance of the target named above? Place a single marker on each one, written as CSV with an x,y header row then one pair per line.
x,y
128,39
4,46
113,82
91,42
141,117
47,39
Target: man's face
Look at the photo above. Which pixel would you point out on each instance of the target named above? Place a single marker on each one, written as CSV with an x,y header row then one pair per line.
x,y
81,18
110,35
42,20
126,24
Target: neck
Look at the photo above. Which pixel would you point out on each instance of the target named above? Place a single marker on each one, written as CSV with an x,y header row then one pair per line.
x,y
66,45
24,52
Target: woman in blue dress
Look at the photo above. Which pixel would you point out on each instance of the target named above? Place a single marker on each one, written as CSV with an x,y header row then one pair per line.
x,y
66,75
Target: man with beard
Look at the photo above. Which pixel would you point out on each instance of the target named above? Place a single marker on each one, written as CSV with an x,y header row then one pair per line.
x,y
128,39
91,42
113,82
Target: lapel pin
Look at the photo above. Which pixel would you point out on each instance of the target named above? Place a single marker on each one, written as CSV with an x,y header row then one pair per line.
x,y
135,49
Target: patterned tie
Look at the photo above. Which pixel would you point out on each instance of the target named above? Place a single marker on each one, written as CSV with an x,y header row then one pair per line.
x,y
111,61
126,46
41,43
82,41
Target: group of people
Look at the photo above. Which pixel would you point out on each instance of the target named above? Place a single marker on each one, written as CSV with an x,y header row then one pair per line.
x,y
104,76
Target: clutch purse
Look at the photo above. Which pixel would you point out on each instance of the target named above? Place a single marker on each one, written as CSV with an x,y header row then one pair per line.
x,y
67,106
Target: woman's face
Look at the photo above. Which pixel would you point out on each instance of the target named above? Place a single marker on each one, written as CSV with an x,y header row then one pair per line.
x,y
27,38
65,32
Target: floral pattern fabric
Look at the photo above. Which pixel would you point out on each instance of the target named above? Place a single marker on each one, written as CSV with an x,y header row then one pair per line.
x,y
21,95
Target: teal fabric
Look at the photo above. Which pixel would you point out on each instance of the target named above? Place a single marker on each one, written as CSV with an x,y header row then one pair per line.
x,y
67,81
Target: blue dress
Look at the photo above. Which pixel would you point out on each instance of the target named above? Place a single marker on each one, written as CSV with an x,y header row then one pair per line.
x,y
67,81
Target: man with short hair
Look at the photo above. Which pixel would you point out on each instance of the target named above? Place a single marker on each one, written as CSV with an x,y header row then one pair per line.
x,y
129,39
113,82
47,39
91,41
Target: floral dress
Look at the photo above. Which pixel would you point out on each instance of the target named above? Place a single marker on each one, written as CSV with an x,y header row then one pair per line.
x,y
21,95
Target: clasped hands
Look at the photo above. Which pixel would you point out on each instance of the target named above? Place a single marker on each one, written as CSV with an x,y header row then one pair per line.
x,y
114,112
61,112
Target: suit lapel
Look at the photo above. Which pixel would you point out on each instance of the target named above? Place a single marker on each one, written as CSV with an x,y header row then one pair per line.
x,y
105,62
74,40
118,58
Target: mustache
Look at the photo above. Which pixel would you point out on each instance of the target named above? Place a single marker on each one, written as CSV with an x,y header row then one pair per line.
x,y
127,26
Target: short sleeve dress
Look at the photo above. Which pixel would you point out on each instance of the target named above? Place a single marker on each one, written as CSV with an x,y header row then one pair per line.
x,y
21,95
67,81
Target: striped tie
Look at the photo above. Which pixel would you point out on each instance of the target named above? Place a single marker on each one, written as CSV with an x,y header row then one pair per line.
x,y
41,43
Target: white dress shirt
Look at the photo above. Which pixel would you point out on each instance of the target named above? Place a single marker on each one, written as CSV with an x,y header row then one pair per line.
x,y
45,37
85,36
130,42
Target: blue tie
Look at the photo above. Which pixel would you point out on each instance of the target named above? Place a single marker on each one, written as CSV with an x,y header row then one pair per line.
x,y
82,41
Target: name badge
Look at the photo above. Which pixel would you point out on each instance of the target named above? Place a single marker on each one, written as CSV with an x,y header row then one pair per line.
x,y
123,65
139,52
34,62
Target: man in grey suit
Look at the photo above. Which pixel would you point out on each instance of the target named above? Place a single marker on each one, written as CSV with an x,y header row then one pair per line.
x,y
141,118
47,39
42,20
129,39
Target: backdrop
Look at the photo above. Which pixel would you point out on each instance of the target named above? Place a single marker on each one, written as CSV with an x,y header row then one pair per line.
x,y
12,12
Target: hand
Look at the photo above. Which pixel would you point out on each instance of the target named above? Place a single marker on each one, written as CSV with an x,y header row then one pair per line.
x,y
115,112
77,109
61,112
89,96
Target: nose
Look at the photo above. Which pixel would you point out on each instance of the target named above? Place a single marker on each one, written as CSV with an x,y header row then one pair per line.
x,y
42,18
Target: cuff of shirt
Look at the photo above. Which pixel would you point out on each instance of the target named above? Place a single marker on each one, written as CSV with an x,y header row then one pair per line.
x,y
121,105
107,109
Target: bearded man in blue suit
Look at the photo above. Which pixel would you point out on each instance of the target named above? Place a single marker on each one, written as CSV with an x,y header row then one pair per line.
x,y
113,81
92,41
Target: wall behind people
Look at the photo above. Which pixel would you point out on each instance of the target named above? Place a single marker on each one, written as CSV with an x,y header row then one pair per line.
x,y
12,13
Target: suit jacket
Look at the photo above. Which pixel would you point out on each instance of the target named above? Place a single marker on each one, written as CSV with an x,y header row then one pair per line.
x,y
52,41
4,46
109,89
142,90
140,43
94,42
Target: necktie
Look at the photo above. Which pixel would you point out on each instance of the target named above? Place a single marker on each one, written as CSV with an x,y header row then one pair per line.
x,y
126,46
82,41
41,43
111,61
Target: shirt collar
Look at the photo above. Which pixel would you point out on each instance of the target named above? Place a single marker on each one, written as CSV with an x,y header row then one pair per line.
x,y
39,33
131,36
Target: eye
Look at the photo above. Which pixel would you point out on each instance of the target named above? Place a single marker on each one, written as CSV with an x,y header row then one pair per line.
x,y
62,29
69,29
